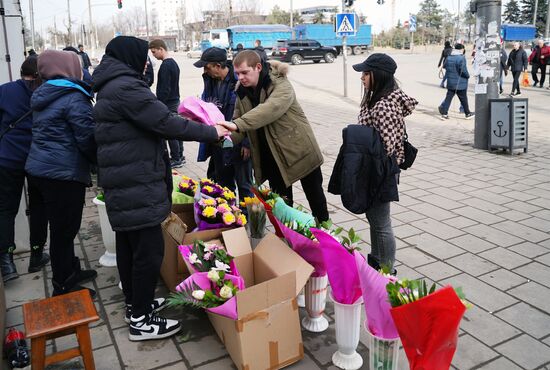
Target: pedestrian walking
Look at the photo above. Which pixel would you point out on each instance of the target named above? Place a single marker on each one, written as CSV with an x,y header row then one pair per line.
x,y
168,92
135,174
258,48
86,63
503,66
58,164
384,107
457,82
447,49
537,59
15,142
230,167
517,63
283,146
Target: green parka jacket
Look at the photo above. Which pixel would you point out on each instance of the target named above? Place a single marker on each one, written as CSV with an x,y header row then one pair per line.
x,y
287,130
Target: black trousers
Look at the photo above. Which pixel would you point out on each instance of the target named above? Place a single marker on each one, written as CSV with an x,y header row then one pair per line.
x,y
534,70
139,256
313,188
64,201
515,83
11,188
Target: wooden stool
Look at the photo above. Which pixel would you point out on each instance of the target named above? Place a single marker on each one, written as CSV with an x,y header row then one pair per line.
x,y
56,317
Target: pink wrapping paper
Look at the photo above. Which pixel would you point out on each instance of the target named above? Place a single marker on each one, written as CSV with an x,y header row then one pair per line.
x,y
185,251
197,110
341,268
229,308
307,249
377,307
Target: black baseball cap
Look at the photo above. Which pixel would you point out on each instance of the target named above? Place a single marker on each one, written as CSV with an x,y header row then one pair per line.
x,y
378,61
211,55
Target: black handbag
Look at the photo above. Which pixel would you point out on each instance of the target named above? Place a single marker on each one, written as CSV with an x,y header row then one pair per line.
x,y
410,153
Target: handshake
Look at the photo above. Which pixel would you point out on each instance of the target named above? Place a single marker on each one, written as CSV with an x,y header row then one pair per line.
x,y
224,128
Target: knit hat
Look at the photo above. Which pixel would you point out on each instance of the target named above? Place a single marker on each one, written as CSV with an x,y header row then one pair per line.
x,y
30,67
459,47
54,63
377,61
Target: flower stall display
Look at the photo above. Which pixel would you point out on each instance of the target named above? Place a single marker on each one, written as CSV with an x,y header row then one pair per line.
x,y
213,290
184,189
427,321
203,257
383,338
215,208
108,259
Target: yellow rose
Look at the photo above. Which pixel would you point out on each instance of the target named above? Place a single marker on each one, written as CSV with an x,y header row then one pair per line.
x,y
209,212
228,218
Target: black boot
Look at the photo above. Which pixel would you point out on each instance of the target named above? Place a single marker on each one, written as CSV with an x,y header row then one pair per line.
x,y
38,259
9,272
372,262
68,286
83,276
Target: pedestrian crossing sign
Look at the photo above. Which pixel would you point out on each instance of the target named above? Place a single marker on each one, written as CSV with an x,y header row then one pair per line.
x,y
345,24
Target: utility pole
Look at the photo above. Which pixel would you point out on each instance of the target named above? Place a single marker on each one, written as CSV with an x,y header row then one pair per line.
x,y
31,11
230,12
70,23
345,55
291,14
488,17
535,13
146,21
457,34
55,32
547,31
90,28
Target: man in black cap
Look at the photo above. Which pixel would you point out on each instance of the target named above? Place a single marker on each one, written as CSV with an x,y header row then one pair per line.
x,y
227,165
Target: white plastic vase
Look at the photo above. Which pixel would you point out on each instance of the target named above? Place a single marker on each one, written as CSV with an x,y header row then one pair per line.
x,y
108,259
315,293
301,299
383,353
347,321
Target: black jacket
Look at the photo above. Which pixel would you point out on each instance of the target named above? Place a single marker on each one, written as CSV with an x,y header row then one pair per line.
x,y
133,164
444,54
363,174
517,60
168,84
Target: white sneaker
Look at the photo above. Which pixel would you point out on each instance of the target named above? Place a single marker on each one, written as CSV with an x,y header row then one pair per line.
x,y
152,326
158,305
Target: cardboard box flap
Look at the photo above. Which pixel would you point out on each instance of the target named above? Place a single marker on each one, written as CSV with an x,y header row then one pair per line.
x,y
281,259
264,295
236,242
175,227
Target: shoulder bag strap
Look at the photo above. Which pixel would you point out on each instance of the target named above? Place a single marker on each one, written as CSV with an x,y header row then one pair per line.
x,y
12,125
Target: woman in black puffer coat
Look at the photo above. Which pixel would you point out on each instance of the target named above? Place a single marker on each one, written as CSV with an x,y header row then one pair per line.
x,y
517,62
135,174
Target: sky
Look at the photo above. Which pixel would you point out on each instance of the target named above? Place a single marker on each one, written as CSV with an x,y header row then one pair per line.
x,y
103,10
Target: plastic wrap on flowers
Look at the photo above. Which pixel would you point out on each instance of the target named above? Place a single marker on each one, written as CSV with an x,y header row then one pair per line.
x,y
377,307
229,308
308,249
429,329
269,212
285,213
341,268
186,251
201,111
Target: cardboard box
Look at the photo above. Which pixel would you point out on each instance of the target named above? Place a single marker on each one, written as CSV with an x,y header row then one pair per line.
x,y
267,333
176,231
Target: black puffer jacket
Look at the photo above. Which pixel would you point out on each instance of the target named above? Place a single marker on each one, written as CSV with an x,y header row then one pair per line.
x,y
133,164
363,174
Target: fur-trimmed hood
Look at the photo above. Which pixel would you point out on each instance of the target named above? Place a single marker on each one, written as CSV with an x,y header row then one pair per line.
x,y
279,68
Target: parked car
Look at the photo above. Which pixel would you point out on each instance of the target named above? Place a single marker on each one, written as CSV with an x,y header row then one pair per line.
x,y
194,53
297,51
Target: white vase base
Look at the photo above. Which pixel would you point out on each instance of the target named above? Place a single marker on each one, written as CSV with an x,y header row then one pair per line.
x,y
108,259
315,324
347,362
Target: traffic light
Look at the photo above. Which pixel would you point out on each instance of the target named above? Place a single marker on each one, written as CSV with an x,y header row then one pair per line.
x,y
119,3
348,3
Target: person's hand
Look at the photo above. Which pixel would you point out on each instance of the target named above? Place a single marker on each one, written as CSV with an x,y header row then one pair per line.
x,y
228,125
245,153
221,130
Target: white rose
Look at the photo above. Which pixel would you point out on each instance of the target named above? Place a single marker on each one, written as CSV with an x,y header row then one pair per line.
x,y
213,275
226,292
198,294
193,258
220,266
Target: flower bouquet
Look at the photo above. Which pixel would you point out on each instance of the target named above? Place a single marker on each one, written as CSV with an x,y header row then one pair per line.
x,y
427,321
213,290
184,189
217,213
256,217
383,338
203,257
267,198
208,113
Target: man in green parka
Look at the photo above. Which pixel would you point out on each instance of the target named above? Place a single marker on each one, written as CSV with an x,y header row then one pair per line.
x,y
284,148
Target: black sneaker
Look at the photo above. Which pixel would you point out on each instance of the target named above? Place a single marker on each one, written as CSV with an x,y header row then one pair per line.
x,y
176,164
158,305
152,326
469,115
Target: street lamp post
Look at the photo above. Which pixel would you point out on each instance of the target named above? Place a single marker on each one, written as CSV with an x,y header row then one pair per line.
x,y
488,14
146,20
31,11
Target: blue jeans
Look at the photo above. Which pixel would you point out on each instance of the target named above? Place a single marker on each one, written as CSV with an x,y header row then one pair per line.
x,y
462,96
382,239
